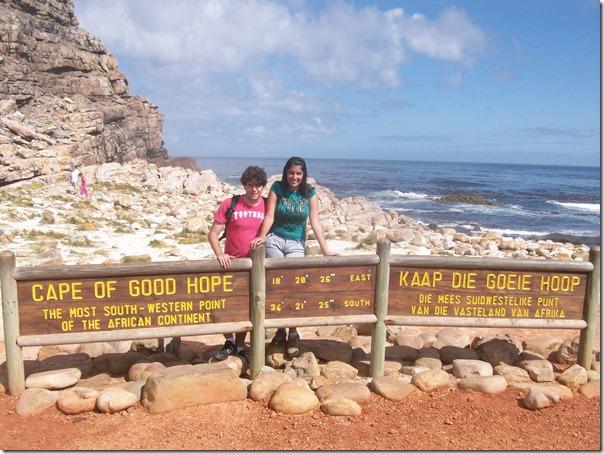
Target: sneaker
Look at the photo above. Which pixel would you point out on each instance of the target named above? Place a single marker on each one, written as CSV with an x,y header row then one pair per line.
x,y
229,348
293,341
280,337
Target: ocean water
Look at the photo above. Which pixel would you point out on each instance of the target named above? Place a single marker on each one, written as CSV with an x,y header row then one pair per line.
x,y
534,202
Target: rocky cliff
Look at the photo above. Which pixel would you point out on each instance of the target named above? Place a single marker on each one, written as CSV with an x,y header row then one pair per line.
x,y
62,98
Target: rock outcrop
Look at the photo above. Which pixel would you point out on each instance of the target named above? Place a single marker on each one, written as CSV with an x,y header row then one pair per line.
x,y
62,98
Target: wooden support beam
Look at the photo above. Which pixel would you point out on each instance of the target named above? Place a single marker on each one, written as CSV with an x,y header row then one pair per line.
x,y
258,302
590,311
378,334
10,315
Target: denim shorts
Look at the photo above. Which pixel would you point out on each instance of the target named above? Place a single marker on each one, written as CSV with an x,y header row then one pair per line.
x,y
277,247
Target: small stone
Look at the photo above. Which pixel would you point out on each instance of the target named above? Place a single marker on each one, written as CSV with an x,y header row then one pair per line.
x,y
337,371
591,389
341,407
35,400
430,363
364,367
400,353
574,376
328,350
54,379
115,399
265,384
117,363
428,353
73,401
453,336
493,384
450,353
355,391
292,399
540,397
405,340
412,370
592,375
392,388
430,380
540,370
512,373
464,368
135,387
305,366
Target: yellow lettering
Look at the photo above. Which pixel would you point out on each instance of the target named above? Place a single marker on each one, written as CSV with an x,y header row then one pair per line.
x,y
34,292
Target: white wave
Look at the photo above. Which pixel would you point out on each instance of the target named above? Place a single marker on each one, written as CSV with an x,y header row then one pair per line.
x,y
591,207
514,210
402,195
513,232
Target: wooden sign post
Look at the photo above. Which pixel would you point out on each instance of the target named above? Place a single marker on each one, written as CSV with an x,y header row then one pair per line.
x,y
67,305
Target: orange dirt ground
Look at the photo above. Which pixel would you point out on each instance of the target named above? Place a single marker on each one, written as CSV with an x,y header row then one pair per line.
x,y
442,420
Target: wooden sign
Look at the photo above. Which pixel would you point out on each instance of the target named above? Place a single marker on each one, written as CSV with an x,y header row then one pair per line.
x,y
104,304
437,292
320,292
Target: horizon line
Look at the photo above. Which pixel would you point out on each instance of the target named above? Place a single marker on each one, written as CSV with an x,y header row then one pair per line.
x,y
398,160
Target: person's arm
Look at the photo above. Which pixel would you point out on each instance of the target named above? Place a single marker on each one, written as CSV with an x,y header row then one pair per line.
x,y
269,218
215,231
315,223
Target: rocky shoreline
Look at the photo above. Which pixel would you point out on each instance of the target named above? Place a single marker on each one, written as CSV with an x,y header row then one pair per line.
x,y
140,212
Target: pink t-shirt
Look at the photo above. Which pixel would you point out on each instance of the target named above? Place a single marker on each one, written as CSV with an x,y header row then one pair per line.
x,y
243,226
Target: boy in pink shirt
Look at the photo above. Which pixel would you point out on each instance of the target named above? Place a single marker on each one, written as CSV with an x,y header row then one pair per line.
x,y
242,226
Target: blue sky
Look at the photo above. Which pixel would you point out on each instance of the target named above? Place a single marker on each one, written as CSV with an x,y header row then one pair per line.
x,y
470,81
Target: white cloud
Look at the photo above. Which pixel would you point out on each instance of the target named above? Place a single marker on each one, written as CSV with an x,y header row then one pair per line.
x,y
231,70
340,44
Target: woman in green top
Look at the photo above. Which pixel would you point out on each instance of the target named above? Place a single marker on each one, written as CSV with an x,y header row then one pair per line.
x,y
291,202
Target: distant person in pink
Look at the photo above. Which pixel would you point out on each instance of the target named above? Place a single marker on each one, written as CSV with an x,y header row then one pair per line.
x,y
241,218
83,188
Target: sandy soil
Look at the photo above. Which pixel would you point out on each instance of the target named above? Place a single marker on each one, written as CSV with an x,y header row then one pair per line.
x,y
445,419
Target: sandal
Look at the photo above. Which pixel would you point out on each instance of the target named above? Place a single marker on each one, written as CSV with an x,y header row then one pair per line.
x,y
293,347
280,337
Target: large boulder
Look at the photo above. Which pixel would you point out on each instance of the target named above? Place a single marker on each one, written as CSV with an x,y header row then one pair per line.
x,y
170,392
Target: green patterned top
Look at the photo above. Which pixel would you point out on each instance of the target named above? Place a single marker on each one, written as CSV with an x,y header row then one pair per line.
x,y
291,213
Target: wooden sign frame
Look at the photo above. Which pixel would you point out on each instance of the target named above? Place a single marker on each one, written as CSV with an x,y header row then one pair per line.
x,y
358,279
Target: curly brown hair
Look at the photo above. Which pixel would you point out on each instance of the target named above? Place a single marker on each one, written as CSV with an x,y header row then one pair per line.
x,y
253,174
